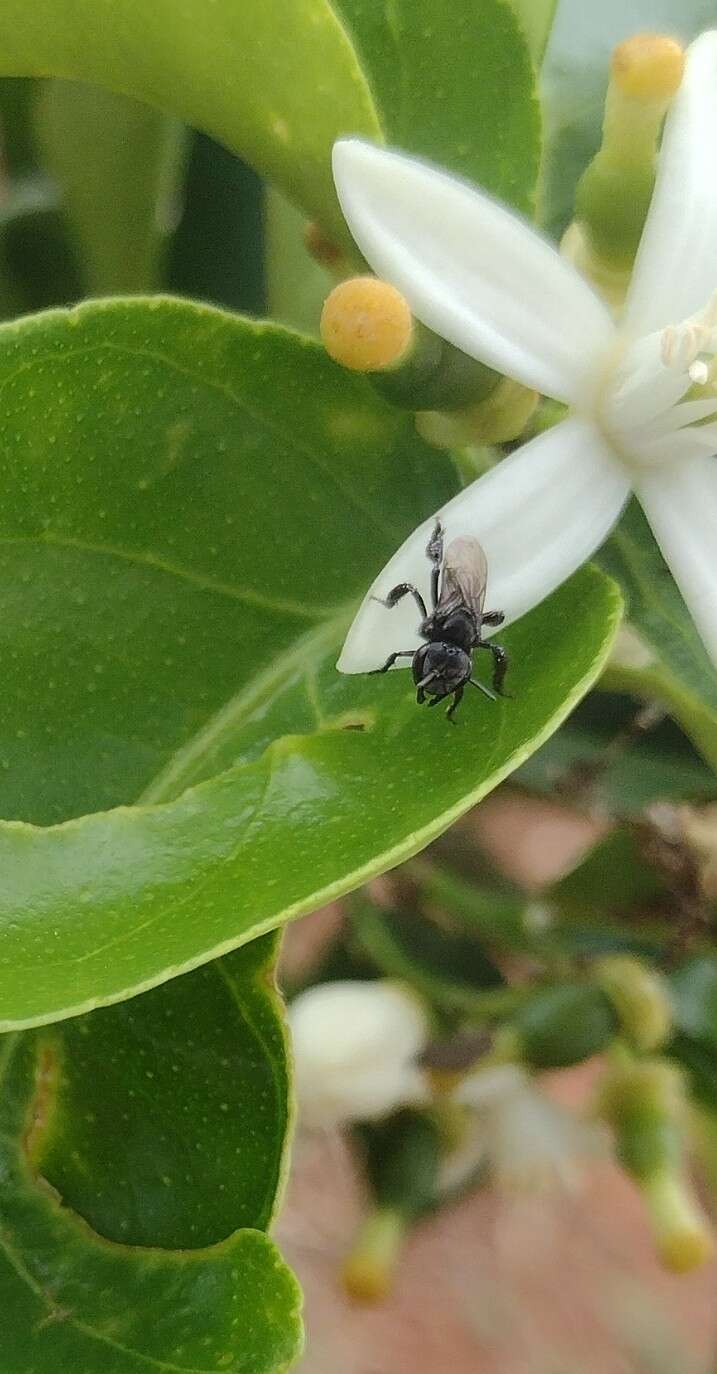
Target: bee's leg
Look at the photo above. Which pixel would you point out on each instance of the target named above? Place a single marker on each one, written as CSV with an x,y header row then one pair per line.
x,y
500,664
434,551
400,653
457,695
397,594
493,617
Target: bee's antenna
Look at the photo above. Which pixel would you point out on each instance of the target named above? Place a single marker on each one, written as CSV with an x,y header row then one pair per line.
x,y
486,691
425,680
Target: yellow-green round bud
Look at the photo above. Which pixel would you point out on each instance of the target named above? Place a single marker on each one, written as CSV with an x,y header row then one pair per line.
x,y
645,1102
614,193
366,325
501,417
641,998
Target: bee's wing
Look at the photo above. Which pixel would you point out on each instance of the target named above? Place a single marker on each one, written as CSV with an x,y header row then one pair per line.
x,y
464,577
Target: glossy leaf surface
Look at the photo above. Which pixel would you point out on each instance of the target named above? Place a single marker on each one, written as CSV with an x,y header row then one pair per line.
x,y
277,81
193,504
172,1157
453,82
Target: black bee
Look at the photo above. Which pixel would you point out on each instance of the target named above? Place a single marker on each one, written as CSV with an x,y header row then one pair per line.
x,y
443,665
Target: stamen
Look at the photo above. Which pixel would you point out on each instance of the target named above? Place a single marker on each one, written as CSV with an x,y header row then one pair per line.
x,y
689,347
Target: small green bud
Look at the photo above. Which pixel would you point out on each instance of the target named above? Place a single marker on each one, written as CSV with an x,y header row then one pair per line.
x,y
402,1157
645,1103
614,193
501,417
641,998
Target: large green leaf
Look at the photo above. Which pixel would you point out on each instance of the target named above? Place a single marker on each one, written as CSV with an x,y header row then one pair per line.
x,y
683,674
454,82
140,1150
276,80
192,505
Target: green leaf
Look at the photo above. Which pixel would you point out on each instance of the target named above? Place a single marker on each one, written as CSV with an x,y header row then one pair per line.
x,y
169,1117
684,676
276,81
563,1025
163,1159
454,82
116,163
574,81
192,506
536,19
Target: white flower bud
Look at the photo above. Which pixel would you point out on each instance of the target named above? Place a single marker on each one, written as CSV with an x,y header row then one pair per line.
x,y
355,1051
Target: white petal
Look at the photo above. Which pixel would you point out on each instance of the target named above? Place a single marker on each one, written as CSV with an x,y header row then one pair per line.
x,y
680,502
643,389
676,266
685,413
539,514
680,444
471,270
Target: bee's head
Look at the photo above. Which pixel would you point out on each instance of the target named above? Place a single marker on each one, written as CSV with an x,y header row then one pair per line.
x,y
440,668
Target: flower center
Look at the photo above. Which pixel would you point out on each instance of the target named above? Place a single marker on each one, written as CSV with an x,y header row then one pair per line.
x,y
645,403
691,346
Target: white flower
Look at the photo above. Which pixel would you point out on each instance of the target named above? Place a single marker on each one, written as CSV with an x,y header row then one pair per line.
x,y
480,277
355,1049
527,1142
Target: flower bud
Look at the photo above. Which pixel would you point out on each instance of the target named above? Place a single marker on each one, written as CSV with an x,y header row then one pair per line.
x,y
614,193
644,1102
355,1049
640,997
501,417
402,1157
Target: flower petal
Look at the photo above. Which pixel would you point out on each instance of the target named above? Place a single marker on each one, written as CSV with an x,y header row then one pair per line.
x,y
539,514
676,267
680,502
471,270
